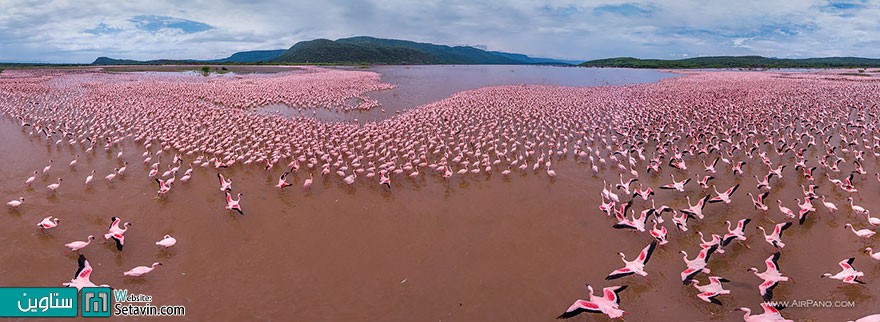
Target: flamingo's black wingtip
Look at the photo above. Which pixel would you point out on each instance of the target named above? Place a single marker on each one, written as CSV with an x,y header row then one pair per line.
x,y
118,244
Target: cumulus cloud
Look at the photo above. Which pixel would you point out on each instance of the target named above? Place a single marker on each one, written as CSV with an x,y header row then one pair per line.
x,y
62,31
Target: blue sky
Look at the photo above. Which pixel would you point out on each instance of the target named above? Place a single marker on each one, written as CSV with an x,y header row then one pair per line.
x,y
79,31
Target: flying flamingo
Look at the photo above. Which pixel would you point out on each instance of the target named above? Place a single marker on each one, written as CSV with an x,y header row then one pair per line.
x,y
659,234
704,182
385,180
848,274
725,196
116,233
770,314
696,265
636,266
282,181
805,208
677,185
737,233
775,237
82,276
164,186
711,291
225,185
233,204
715,241
696,210
771,277
607,304
681,221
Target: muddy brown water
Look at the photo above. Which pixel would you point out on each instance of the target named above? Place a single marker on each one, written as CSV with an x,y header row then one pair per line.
x,y
479,248
422,84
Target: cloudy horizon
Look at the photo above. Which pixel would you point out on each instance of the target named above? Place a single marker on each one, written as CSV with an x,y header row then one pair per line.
x,y
80,31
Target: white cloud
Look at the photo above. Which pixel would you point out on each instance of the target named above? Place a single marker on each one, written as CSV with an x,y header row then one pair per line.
x,y
739,42
63,31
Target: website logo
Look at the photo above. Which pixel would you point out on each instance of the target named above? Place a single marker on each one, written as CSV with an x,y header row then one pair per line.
x,y
95,302
25,302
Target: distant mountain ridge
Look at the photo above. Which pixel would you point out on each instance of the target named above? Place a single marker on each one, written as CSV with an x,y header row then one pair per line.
x,y
113,61
254,56
361,50
370,50
536,60
735,62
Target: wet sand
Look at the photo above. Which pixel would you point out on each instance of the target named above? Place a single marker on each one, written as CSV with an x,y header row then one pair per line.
x,y
476,248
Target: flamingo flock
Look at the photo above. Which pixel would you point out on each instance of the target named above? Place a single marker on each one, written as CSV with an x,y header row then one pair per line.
x,y
723,125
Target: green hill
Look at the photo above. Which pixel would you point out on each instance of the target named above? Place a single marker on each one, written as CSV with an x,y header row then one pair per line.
x,y
735,62
371,50
254,56
328,51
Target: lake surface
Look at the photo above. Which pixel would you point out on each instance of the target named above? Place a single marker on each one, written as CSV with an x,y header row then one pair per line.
x,y
483,247
419,85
